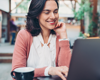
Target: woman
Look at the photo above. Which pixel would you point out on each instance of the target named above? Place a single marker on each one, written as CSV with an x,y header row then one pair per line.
x,y
43,45
13,30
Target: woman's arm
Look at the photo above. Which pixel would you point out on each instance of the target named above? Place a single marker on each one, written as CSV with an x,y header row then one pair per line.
x,y
20,53
63,59
64,56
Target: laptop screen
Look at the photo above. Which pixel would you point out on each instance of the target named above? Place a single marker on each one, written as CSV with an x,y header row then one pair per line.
x,y
85,61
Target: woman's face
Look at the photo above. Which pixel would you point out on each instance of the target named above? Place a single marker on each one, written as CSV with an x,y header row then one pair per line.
x,y
49,16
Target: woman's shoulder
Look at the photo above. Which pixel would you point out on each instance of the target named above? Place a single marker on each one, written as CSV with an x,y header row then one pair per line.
x,y
24,32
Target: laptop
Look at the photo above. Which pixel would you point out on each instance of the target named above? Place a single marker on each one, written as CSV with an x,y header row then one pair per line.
x,y
85,61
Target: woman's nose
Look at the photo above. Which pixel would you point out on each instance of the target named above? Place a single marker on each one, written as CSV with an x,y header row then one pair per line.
x,y
52,15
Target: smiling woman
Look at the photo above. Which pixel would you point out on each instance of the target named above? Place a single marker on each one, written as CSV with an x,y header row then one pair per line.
x,y
46,10
43,45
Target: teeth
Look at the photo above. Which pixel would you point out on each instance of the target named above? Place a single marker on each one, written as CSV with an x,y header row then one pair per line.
x,y
51,22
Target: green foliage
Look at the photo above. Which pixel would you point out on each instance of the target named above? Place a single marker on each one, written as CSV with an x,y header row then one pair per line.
x,y
93,25
24,6
84,7
79,15
80,34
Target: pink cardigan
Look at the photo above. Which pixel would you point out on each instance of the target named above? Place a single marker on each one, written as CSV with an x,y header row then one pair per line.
x,y
22,48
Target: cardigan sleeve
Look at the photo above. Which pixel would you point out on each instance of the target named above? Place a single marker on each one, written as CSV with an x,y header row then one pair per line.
x,y
20,54
64,56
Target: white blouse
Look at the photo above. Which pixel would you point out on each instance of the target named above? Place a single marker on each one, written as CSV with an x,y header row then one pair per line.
x,y
42,56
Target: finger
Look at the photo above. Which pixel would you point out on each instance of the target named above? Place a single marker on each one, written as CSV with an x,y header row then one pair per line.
x,y
66,74
61,76
65,70
65,67
57,25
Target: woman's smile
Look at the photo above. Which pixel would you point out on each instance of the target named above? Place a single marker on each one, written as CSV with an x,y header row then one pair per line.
x,y
51,22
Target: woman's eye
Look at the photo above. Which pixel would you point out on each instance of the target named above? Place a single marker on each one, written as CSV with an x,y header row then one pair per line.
x,y
56,12
46,12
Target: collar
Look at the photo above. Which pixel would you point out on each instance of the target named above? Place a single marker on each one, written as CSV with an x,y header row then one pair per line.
x,y
41,38
37,40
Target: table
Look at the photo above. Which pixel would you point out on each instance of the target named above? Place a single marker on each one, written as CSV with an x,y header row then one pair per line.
x,y
49,78
93,37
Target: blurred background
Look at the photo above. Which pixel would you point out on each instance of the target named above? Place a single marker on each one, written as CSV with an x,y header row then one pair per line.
x,y
82,18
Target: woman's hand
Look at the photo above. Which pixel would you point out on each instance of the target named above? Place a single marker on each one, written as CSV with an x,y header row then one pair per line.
x,y
60,29
60,71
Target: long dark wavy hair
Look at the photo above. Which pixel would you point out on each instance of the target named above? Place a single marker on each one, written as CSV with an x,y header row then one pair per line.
x,y
32,23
